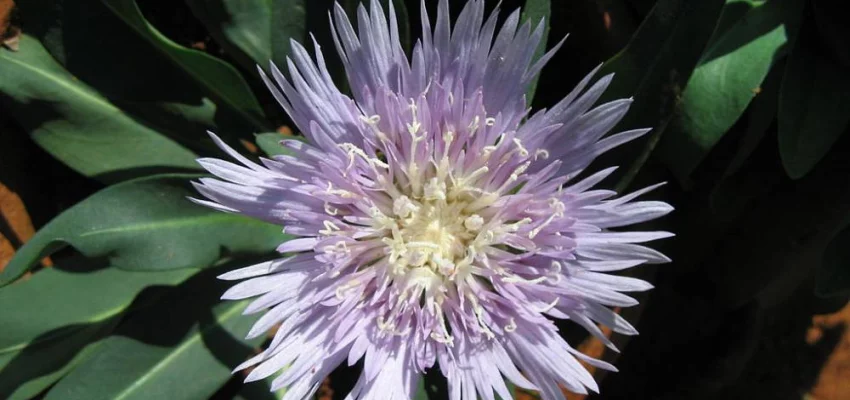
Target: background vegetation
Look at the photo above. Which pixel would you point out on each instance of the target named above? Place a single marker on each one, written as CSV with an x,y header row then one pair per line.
x,y
104,107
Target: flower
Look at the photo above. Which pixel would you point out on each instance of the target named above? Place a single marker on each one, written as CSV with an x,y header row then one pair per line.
x,y
438,223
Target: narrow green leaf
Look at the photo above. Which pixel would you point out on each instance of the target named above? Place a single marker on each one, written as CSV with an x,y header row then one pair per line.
x,y
219,78
833,278
254,32
722,86
654,68
833,29
50,318
731,15
55,298
74,123
534,12
269,143
421,393
147,224
814,109
182,348
99,49
760,117
288,22
26,373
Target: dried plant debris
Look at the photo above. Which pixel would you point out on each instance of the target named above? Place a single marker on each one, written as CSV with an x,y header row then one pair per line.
x,y
9,33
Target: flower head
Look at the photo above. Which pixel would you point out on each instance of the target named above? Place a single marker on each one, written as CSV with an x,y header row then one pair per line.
x,y
438,223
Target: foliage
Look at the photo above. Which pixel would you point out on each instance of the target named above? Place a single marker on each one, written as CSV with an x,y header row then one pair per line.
x,y
749,101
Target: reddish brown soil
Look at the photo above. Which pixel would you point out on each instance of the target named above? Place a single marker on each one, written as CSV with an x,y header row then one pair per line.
x,y
833,383
5,11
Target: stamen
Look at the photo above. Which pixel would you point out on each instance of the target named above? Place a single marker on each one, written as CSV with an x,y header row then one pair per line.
x,y
435,190
413,128
338,248
519,279
549,307
474,175
340,291
372,120
353,150
330,228
541,153
444,339
523,152
474,222
479,313
474,125
448,137
516,225
331,210
555,271
557,206
339,192
403,207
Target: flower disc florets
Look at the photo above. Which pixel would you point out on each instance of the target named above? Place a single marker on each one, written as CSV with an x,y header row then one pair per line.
x,y
438,222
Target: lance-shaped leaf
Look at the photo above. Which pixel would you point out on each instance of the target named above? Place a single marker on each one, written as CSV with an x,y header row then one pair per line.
x,y
185,347
254,32
760,116
729,76
654,68
220,79
74,123
814,108
53,320
26,373
147,224
269,143
98,48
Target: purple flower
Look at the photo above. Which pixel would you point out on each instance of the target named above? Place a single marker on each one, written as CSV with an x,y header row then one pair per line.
x,y
438,223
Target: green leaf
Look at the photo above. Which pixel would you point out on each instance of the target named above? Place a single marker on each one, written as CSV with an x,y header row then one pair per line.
x,y
147,224
421,393
74,123
833,277
269,143
99,49
254,32
534,12
731,15
57,298
833,30
52,318
26,373
220,79
722,86
182,348
760,117
654,68
814,109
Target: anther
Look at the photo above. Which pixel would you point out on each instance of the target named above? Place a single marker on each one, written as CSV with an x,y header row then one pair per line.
x,y
473,222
